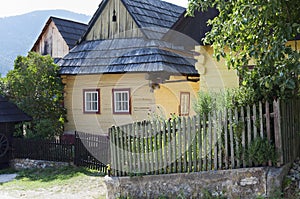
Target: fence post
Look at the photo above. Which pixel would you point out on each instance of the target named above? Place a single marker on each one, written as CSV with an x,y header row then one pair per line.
x,y
277,131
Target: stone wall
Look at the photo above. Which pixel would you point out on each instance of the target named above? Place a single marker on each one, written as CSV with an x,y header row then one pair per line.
x,y
19,164
237,183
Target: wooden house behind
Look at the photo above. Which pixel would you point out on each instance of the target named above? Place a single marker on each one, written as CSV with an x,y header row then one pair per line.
x,y
122,71
214,75
58,37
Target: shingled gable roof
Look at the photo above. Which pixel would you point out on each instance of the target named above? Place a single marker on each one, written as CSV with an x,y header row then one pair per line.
x,y
146,14
195,27
121,55
9,112
71,31
126,55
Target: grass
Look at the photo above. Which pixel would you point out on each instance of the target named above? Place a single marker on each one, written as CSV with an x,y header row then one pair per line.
x,y
45,178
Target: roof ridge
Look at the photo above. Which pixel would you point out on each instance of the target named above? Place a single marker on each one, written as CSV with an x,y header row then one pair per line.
x,y
68,20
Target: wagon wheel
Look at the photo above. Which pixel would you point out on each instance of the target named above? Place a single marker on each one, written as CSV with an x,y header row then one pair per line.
x,y
4,145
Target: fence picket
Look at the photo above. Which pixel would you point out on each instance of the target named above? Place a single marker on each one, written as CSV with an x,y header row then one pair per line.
x,y
175,151
249,132
231,140
204,144
268,124
215,141
236,137
261,119
179,146
194,134
189,144
199,133
220,130
243,137
254,121
184,151
165,148
170,144
160,150
226,138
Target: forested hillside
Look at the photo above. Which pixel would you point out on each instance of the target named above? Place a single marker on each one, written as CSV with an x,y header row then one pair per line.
x,y
18,33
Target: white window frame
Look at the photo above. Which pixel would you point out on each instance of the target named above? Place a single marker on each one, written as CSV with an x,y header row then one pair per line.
x,y
120,105
185,103
87,92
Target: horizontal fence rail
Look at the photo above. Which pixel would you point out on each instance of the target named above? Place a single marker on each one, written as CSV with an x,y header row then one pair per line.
x,y
219,140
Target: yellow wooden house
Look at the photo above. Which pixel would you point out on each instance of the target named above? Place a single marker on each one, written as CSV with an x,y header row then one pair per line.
x,y
122,70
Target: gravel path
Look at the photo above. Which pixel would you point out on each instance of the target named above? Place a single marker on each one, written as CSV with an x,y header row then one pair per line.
x,y
86,187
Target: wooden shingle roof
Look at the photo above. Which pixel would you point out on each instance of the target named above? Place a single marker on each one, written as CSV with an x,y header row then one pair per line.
x,y
71,31
127,55
9,112
149,13
195,27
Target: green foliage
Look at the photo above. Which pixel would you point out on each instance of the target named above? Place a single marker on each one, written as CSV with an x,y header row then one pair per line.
x,y
209,101
261,151
34,85
248,32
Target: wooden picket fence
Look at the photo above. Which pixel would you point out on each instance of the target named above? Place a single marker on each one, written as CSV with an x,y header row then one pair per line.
x,y
201,143
89,150
42,149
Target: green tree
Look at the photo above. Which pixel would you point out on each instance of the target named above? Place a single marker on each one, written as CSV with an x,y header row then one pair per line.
x,y
257,31
34,85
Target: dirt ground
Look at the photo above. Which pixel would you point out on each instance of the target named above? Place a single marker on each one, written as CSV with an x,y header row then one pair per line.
x,y
85,187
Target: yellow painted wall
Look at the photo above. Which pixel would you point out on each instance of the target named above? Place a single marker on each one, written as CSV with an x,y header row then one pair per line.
x,y
57,46
144,101
105,28
214,75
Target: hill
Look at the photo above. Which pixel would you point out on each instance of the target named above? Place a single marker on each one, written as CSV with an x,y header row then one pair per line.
x,y
18,33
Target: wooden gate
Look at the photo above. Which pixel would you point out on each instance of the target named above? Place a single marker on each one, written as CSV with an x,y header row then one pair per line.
x,y
92,151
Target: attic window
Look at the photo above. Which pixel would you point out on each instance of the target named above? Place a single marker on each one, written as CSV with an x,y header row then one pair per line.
x,y
114,17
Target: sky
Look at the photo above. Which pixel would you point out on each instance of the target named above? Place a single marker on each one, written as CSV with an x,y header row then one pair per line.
x,y
88,7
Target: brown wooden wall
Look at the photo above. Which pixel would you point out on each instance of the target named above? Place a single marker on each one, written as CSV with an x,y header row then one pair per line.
x,y
105,28
52,43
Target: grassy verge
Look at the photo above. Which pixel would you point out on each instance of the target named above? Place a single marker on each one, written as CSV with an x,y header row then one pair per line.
x,y
44,178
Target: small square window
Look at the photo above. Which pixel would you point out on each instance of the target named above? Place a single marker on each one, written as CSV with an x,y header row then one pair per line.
x,y
184,103
121,101
91,101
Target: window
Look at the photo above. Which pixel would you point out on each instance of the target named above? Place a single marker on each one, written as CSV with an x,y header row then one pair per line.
x,y
184,103
91,101
121,101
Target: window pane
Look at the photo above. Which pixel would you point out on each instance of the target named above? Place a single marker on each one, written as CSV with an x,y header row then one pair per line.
x,y
121,101
184,103
92,101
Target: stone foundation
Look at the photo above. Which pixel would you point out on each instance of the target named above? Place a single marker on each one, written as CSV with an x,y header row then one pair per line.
x,y
19,164
237,183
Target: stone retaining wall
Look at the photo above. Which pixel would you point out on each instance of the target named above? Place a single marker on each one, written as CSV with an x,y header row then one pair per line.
x,y
19,164
237,183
